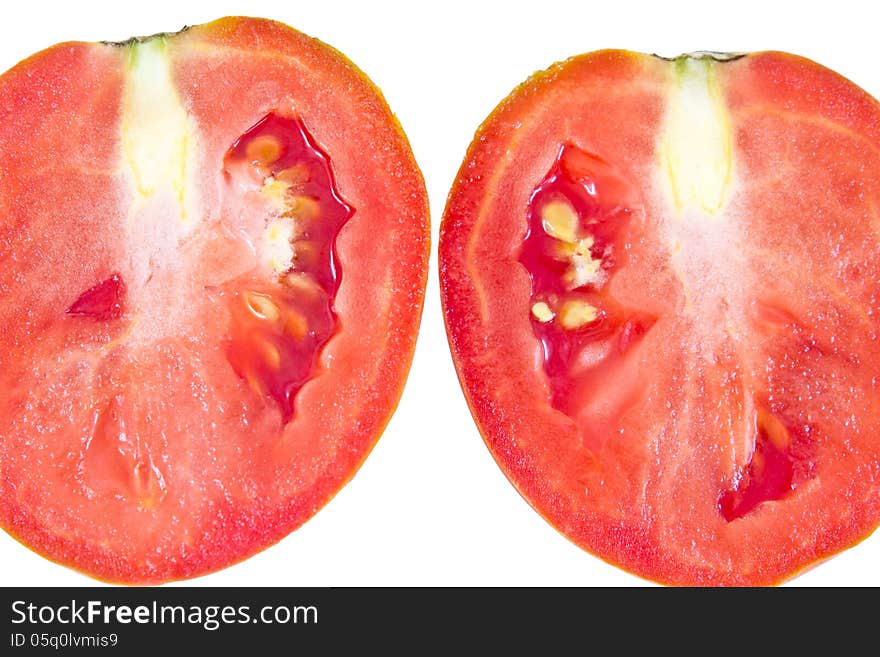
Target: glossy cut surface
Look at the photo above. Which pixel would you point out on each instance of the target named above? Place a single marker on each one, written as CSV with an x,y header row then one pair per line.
x,y
217,342
658,285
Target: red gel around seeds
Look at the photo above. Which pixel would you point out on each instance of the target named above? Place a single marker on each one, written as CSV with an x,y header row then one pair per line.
x,y
103,301
594,191
777,466
277,351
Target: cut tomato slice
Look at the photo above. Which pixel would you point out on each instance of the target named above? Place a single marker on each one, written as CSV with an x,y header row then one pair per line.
x,y
213,255
659,281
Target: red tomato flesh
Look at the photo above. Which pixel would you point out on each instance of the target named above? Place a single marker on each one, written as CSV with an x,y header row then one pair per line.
x,y
659,285
202,335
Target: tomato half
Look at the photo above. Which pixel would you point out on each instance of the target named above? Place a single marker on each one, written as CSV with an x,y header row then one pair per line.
x,y
213,255
660,286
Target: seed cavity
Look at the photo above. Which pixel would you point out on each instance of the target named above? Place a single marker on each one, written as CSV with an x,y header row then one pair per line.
x,y
103,301
281,314
779,461
578,223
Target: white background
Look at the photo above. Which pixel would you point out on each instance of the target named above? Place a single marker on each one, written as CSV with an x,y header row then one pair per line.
x,y
429,506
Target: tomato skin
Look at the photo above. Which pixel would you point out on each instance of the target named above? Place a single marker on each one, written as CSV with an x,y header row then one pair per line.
x,y
652,506
272,477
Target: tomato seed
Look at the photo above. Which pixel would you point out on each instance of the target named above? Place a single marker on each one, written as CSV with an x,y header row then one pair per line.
x,y
576,313
303,207
262,306
560,220
264,150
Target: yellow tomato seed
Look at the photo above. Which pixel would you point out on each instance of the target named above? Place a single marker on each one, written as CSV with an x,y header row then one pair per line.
x,y
576,313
